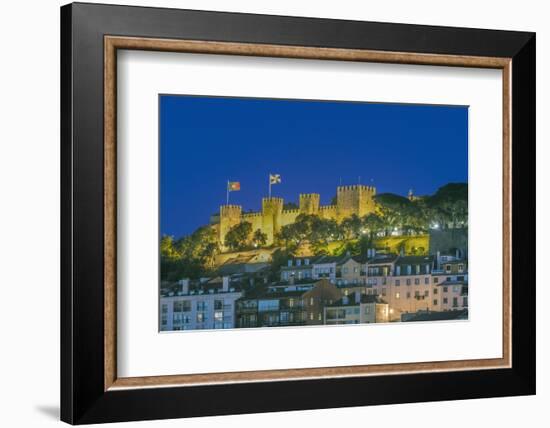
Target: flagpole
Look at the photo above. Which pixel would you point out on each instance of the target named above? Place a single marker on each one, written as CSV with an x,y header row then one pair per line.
x,y
269,180
227,193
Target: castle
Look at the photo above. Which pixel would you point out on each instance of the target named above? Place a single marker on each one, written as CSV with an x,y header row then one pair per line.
x,y
355,199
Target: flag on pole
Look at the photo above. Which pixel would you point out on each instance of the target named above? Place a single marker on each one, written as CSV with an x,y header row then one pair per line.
x,y
233,186
274,178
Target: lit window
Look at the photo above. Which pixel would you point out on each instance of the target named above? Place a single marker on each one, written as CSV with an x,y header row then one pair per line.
x,y
397,295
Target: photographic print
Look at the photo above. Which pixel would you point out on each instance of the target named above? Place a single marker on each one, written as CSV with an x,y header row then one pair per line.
x,y
287,213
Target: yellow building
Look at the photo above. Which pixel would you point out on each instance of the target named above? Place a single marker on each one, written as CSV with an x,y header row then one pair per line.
x,y
355,199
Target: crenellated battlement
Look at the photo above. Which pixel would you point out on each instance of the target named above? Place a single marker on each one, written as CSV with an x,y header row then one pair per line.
x,y
351,200
253,214
309,203
356,187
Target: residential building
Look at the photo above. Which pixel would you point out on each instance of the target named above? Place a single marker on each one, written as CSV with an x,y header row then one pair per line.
x,y
286,305
297,269
357,308
197,305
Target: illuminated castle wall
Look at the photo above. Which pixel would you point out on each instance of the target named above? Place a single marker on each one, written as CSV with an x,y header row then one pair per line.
x,y
356,199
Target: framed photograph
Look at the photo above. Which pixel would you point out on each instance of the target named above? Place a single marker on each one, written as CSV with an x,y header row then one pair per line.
x,y
266,213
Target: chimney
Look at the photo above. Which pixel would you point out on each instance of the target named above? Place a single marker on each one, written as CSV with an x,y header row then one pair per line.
x,y
225,283
184,283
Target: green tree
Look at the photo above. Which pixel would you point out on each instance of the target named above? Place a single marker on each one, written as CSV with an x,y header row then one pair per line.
x,y
167,249
237,236
392,210
351,227
259,238
372,224
449,205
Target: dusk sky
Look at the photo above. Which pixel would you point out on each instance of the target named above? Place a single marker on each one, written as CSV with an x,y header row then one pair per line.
x,y
313,145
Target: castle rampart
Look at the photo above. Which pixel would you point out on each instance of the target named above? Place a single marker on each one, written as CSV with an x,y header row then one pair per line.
x,y
350,200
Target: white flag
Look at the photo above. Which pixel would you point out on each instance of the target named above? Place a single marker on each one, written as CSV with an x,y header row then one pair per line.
x,y
274,178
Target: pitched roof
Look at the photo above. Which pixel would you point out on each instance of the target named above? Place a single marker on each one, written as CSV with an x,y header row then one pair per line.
x,y
351,300
414,260
439,316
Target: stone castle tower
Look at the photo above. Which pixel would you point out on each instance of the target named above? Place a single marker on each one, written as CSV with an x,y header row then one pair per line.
x,y
356,199
230,215
309,203
272,210
350,200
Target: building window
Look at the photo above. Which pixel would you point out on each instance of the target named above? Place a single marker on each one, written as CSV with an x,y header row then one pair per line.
x,y
397,295
435,290
311,301
201,317
383,292
311,316
456,288
435,302
445,300
426,280
397,283
465,302
455,302
427,293
445,289
164,309
408,281
366,310
416,281
268,305
345,270
218,304
417,294
436,279
384,281
202,306
448,268
461,268
408,294
218,316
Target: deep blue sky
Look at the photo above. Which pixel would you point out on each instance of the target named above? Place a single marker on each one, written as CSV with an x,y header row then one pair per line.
x,y
313,145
